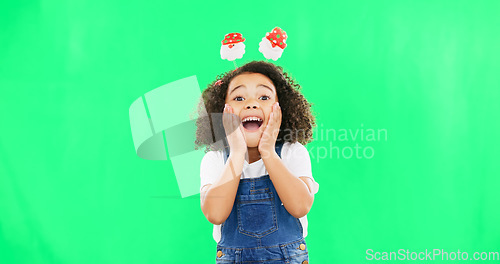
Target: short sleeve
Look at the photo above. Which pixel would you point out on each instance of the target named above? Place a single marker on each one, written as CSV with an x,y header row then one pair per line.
x,y
210,168
298,163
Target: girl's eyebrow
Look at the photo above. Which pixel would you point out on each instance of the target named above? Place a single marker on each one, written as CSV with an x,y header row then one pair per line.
x,y
266,87
242,85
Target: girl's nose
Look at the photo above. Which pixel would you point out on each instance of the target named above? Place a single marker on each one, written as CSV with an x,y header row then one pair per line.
x,y
252,104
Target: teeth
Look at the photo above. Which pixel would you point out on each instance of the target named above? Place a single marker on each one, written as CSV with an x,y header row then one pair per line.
x,y
251,118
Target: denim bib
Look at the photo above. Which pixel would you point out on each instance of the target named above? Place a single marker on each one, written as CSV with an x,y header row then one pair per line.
x,y
259,229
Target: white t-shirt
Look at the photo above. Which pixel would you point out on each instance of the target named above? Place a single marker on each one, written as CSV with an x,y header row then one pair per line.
x,y
294,156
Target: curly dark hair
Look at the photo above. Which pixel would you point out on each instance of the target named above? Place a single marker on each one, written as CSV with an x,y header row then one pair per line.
x,y
297,119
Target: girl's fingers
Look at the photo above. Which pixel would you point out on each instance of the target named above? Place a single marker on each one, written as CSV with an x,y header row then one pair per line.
x,y
232,116
275,115
274,111
227,117
278,113
224,112
224,115
235,121
277,119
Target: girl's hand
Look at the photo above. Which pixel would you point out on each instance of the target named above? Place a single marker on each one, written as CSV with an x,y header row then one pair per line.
x,y
234,131
268,139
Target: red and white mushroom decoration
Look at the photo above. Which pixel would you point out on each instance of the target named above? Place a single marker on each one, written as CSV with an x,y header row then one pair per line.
x,y
232,47
273,44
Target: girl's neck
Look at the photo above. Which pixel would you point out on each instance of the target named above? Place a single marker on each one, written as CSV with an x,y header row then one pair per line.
x,y
253,155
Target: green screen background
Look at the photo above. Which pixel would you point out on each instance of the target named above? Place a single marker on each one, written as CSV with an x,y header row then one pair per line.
x,y
73,190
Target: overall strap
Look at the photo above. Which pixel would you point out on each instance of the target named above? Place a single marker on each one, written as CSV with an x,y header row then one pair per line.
x,y
277,147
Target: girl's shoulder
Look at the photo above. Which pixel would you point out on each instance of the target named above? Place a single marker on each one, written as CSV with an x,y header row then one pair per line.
x,y
290,149
213,157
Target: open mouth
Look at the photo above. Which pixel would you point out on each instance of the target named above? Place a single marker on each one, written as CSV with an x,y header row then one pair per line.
x,y
252,123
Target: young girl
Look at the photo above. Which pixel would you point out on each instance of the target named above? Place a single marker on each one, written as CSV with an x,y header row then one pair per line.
x,y
257,185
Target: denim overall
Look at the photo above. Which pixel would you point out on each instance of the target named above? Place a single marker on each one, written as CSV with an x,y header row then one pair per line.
x,y
259,229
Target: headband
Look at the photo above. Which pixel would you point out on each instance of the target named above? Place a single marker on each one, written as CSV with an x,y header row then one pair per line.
x,y
271,46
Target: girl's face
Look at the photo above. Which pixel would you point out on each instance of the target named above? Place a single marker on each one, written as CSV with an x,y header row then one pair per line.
x,y
252,95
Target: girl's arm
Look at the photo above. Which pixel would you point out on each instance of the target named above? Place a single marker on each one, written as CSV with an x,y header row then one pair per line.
x,y
294,192
217,199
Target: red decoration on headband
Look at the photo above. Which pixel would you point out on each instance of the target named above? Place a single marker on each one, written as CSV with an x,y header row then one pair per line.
x,y
219,82
232,38
277,37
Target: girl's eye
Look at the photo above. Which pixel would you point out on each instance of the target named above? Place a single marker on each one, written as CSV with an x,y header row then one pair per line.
x,y
265,96
237,97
